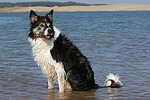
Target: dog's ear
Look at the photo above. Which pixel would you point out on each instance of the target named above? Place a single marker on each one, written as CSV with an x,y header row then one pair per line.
x,y
33,16
50,15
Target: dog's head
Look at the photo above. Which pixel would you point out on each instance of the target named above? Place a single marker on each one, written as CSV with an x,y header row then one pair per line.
x,y
41,26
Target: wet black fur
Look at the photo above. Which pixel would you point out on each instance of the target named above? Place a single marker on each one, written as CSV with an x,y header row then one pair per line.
x,y
77,67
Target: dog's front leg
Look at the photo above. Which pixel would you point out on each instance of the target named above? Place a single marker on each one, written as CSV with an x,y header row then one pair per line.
x,y
51,83
61,77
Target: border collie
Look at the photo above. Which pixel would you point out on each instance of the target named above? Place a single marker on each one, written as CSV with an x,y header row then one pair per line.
x,y
59,59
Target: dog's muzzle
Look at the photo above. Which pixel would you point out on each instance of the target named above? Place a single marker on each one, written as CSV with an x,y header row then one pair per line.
x,y
48,33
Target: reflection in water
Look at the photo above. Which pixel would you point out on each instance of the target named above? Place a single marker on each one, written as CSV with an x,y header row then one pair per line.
x,y
71,95
112,92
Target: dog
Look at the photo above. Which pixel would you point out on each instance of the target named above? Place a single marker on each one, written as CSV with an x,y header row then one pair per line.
x,y
60,60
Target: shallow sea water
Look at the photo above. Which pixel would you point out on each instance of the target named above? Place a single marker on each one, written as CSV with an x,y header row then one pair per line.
x,y
117,42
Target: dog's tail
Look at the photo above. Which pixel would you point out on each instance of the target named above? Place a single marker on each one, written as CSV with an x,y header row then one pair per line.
x,y
112,81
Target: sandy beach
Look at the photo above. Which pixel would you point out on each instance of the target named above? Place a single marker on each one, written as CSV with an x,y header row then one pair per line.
x,y
118,7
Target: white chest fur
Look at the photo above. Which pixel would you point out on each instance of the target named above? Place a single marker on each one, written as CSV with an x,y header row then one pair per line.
x,y
53,70
41,52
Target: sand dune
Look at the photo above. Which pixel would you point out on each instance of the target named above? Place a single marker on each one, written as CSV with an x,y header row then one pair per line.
x,y
119,7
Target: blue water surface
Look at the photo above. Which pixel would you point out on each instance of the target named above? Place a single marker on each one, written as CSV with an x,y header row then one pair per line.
x,y
117,42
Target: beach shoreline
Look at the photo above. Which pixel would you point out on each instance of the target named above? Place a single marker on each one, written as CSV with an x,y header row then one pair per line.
x,y
118,7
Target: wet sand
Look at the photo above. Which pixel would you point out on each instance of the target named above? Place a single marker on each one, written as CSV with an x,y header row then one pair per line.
x,y
118,7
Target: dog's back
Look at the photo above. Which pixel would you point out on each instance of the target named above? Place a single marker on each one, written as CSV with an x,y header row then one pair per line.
x,y
77,67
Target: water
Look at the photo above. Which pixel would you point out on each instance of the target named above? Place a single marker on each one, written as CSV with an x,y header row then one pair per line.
x,y
117,42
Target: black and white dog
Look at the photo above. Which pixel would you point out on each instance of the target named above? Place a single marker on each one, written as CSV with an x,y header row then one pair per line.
x,y
59,58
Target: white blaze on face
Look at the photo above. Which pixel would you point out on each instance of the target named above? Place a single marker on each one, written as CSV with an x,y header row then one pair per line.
x,y
48,24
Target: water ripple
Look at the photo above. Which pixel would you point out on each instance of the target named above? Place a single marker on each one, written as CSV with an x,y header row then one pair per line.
x,y
116,42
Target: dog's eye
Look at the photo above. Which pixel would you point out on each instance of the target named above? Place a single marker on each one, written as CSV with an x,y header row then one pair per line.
x,y
42,25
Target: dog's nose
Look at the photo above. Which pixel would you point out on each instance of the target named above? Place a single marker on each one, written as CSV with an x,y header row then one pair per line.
x,y
50,31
